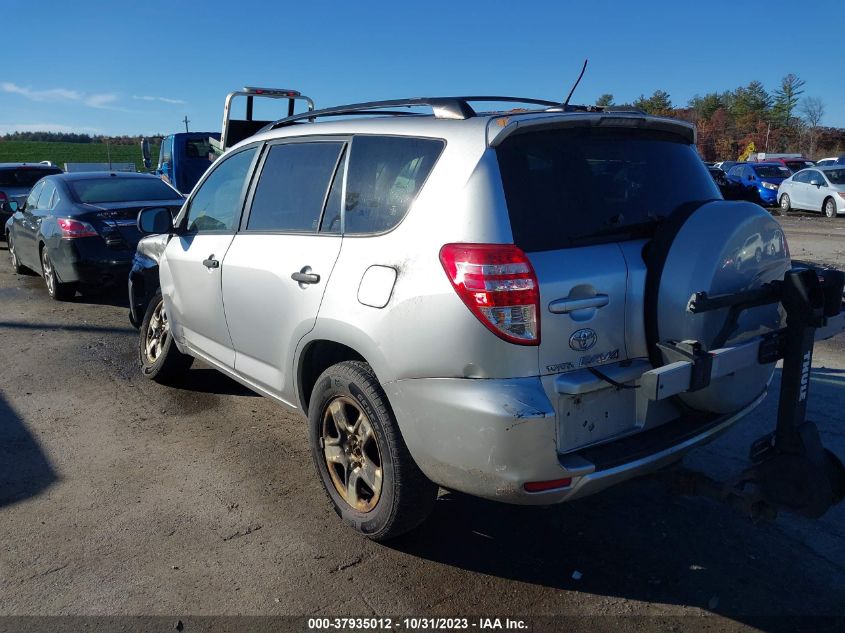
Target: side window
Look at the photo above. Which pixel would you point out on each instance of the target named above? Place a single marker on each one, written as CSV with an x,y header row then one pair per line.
x,y
166,151
735,172
292,187
46,196
815,175
216,206
801,176
384,176
32,198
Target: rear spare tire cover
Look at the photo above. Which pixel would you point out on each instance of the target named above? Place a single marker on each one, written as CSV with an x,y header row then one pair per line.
x,y
717,247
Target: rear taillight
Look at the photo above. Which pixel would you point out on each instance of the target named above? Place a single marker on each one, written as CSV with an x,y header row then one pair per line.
x,y
72,229
3,197
498,284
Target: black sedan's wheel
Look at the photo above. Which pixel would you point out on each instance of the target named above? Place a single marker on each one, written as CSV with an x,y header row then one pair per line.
x,y
830,208
58,290
370,477
13,255
160,359
785,203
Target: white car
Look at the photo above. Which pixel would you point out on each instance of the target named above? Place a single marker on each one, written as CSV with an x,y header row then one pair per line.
x,y
826,162
814,190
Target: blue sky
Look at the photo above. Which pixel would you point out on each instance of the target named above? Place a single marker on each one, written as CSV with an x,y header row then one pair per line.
x,y
139,67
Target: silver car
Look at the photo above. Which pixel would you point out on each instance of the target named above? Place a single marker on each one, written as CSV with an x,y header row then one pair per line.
x,y
815,189
481,301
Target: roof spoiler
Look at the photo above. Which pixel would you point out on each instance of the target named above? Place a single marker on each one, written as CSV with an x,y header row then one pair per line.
x,y
501,128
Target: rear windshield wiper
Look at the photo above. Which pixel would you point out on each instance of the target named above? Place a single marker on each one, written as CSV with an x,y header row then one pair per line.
x,y
631,231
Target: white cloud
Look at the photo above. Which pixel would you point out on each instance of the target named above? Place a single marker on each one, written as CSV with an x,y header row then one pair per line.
x,y
59,95
8,128
162,99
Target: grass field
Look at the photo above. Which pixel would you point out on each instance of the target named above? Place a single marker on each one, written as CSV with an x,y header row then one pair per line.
x,y
61,153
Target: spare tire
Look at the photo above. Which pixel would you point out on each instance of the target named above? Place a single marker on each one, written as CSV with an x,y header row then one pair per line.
x,y
717,247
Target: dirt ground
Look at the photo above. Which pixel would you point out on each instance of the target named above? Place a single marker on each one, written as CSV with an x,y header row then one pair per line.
x,y
122,497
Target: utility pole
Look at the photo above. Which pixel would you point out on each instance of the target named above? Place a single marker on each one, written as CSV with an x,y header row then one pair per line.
x,y
108,152
186,120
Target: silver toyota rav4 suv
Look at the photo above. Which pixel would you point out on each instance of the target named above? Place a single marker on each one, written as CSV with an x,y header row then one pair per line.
x,y
490,302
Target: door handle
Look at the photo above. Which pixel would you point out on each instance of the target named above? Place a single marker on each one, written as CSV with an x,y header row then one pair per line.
x,y
305,276
211,262
567,305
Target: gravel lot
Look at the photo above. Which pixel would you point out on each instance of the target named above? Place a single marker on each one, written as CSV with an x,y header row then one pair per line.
x,y
122,497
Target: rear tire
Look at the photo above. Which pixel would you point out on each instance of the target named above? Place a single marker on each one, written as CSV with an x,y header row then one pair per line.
x,y
785,203
16,264
367,472
57,290
829,207
160,360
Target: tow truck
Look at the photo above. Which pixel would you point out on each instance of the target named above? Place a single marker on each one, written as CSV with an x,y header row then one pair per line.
x,y
185,156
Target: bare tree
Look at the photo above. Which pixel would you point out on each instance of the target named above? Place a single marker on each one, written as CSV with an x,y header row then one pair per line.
x,y
812,110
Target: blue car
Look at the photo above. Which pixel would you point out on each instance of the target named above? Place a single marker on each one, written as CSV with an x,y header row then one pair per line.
x,y
759,182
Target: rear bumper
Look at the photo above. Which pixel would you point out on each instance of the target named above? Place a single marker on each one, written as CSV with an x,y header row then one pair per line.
x,y
490,437
87,262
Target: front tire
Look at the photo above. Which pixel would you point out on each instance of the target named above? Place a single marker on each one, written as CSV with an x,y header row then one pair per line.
x,y
160,360
368,474
57,290
830,208
785,203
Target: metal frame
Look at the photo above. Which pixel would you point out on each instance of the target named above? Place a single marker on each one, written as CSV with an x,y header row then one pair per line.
x,y
443,108
250,92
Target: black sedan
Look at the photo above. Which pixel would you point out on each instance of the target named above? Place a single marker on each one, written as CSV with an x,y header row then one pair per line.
x,y
79,230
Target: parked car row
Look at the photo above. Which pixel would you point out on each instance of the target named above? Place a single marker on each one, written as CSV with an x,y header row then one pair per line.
x,y
16,181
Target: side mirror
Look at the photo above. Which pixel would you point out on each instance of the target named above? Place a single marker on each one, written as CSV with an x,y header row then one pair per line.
x,y
153,220
816,182
11,206
145,153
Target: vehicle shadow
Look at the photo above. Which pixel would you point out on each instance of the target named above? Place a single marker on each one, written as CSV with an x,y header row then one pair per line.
x,y
24,469
211,381
640,541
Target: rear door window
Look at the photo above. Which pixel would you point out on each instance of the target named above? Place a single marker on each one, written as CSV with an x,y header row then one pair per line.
x,y
385,175
581,186
293,186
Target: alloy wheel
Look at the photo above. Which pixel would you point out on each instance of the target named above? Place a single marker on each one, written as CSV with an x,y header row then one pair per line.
x,y
11,244
49,274
157,332
830,208
352,455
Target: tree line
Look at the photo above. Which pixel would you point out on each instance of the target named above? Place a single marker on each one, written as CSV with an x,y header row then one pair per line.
x,y
748,119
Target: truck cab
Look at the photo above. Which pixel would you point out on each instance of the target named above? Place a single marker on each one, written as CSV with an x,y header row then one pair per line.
x,y
184,157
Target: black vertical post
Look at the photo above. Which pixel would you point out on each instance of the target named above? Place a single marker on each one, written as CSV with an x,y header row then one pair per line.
x,y
804,303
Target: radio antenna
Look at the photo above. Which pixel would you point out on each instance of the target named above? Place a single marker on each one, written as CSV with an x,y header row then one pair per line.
x,y
577,81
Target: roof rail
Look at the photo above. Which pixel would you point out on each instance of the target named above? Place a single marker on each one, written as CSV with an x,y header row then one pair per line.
x,y
442,107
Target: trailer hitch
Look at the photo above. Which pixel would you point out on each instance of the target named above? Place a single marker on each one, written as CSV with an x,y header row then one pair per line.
x,y
791,469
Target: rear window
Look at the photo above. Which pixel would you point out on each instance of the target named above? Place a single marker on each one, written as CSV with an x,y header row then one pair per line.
x,y
771,171
797,165
835,176
24,177
117,189
592,185
197,148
